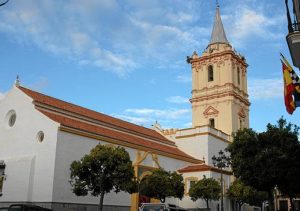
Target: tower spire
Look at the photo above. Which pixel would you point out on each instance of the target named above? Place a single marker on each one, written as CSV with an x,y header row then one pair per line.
x,y
218,33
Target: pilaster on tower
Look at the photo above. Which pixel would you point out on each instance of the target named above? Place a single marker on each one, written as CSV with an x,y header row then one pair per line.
x,y
219,84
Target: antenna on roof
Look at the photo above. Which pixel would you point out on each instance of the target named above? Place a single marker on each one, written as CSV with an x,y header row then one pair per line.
x,y
17,81
217,3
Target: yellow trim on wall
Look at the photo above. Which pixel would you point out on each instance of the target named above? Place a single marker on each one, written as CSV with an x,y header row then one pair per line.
x,y
140,157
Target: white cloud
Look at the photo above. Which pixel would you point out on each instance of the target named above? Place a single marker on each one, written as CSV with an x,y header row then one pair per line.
x,y
122,36
264,89
177,100
146,116
110,35
164,35
135,120
159,113
69,33
184,78
249,23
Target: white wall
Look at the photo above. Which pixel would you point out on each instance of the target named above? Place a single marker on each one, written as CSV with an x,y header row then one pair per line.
x,y
72,147
213,148
30,164
198,142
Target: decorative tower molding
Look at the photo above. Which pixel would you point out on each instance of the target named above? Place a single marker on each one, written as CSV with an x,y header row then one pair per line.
x,y
219,84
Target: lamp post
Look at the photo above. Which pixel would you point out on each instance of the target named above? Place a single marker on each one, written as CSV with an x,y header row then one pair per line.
x,y
222,161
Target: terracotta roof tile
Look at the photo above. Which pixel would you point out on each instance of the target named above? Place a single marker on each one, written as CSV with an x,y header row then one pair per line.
x,y
116,135
202,167
47,100
132,134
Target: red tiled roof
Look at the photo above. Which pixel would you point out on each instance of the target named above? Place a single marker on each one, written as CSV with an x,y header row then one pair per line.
x,y
47,100
116,135
202,167
129,134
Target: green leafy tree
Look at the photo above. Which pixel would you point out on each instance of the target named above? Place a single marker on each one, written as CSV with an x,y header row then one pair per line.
x,y
283,138
241,193
257,198
268,159
161,184
207,189
104,169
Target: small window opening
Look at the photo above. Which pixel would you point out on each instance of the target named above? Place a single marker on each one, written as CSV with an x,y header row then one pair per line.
x,y
11,117
40,136
212,122
210,73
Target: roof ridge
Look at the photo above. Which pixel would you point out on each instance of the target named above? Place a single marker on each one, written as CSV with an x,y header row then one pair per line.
x,y
93,115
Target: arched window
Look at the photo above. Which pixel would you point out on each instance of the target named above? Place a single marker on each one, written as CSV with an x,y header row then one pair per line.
x,y
210,73
212,122
238,76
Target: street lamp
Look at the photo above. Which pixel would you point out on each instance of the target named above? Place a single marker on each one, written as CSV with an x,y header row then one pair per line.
x,y
222,161
293,37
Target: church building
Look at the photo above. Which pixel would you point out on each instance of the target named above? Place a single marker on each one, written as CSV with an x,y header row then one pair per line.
x,y
40,136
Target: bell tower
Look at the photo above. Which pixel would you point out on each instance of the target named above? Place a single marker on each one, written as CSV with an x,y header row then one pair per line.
x,y
219,84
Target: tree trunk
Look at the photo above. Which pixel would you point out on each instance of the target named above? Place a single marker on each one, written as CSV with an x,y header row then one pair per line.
x,y
207,206
292,204
100,207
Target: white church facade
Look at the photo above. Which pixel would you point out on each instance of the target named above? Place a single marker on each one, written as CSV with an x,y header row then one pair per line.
x,y
40,136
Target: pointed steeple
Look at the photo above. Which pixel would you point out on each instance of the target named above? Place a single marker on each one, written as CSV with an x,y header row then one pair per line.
x,y
218,33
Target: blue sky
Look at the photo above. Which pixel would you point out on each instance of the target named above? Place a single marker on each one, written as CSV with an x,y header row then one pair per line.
x,y
126,58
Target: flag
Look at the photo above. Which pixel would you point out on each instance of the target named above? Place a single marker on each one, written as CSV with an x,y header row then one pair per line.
x,y
288,89
291,86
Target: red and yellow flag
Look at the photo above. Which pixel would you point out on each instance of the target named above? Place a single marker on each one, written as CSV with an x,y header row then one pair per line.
x,y
289,88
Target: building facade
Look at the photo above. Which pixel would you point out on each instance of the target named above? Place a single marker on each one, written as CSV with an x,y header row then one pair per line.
x,y
40,136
